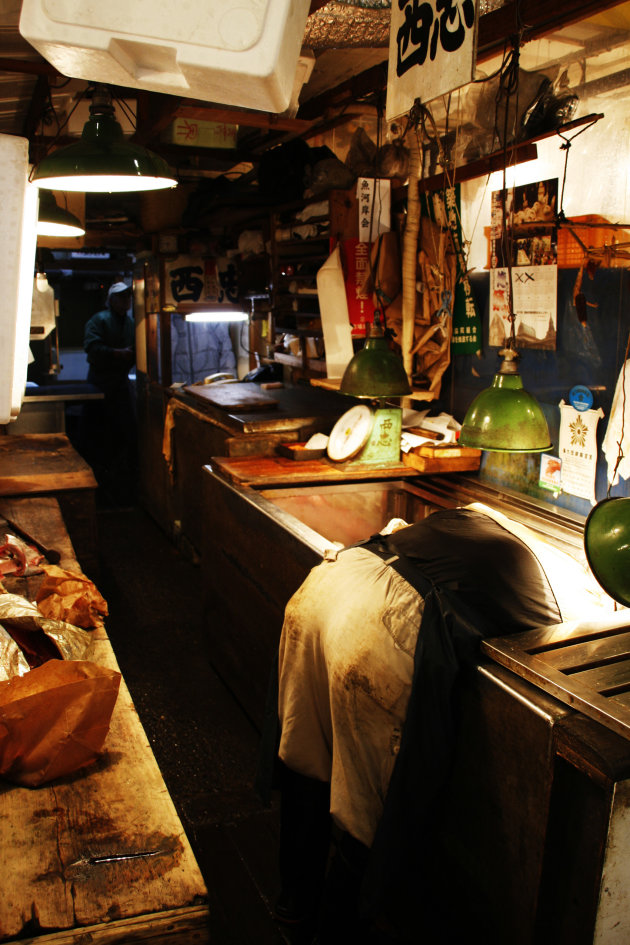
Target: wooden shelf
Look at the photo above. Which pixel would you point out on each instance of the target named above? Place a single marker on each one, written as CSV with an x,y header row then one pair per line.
x,y
334,383
516,153
318,365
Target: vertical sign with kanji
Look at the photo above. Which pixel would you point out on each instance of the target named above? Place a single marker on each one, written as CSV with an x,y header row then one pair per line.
x,y
374,204
431,51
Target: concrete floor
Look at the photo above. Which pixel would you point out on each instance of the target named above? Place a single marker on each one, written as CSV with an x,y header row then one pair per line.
x,y
205,746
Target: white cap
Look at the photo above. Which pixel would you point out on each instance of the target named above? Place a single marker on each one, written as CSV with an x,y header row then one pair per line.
x,y
117,288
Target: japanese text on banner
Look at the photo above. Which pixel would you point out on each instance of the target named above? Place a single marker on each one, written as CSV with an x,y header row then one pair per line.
x,y
431,50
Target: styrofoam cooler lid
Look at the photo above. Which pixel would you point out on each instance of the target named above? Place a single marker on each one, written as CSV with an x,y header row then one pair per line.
x,y
238,52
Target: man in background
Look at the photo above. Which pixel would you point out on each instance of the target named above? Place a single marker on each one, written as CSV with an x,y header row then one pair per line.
x,y
109,427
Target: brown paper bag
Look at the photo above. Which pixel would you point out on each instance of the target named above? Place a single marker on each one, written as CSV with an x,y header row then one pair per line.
x,y
72,597
54,720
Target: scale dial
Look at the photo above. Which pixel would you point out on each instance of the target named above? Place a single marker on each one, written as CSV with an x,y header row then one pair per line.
x,y
350,433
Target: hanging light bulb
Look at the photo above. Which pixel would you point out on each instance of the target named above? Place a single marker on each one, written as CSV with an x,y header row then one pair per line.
x,y
53,220
102,161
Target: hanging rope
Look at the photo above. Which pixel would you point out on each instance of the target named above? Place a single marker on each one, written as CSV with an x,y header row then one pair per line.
x,y
566,147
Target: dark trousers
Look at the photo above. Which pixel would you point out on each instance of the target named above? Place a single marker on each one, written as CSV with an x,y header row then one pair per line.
x,y
321,870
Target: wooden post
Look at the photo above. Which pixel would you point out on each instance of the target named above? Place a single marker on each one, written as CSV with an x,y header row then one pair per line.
x,y
410,249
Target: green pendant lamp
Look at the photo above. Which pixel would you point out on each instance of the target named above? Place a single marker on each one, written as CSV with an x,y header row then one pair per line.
x,y
505,418
375,372
53,220
103,161
607,546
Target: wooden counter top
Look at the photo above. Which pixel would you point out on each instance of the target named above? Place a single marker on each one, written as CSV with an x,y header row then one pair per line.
x,y
41,462
100,856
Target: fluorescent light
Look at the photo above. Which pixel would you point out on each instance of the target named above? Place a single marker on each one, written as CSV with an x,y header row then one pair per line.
x,y
211,312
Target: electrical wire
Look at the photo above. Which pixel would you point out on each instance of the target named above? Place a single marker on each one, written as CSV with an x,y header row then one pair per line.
x,y
60,128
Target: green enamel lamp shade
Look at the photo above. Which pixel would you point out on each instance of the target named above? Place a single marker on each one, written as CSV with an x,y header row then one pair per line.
x,y
607,546
375,371
54,220
103,161
505,418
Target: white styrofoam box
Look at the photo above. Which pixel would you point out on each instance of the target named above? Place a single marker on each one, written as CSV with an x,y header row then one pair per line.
x,y
18,239
237,52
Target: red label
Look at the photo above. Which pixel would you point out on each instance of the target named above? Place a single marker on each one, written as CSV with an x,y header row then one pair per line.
x,y
356,266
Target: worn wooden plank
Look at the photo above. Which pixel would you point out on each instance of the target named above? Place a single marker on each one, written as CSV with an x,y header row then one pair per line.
x,y
509,652
606,679
101,847
42,482
430,464
571,632
41,462
277,470
187,926
589,653
240,396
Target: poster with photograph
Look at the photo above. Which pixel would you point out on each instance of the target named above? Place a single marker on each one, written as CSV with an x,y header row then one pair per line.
x,y
523,236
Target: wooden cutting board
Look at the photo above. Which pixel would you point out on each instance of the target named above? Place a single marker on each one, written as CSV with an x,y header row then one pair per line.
x,y
266,471
242,396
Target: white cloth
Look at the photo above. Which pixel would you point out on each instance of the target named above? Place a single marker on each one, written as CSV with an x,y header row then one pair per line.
x,y
619,417
345,670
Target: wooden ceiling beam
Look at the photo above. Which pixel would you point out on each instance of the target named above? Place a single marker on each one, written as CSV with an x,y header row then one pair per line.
x,y
29,67
537,17
201,112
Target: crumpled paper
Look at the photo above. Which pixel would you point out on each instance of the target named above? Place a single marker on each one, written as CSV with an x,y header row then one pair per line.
x,y
72,597
54,720
12,660
39,638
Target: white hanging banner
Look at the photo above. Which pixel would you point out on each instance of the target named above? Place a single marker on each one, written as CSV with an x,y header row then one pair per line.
x,y
578,450
432,50
374,203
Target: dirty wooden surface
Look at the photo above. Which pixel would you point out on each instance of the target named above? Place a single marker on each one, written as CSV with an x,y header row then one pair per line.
x,y
241,396
101,853
41,462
